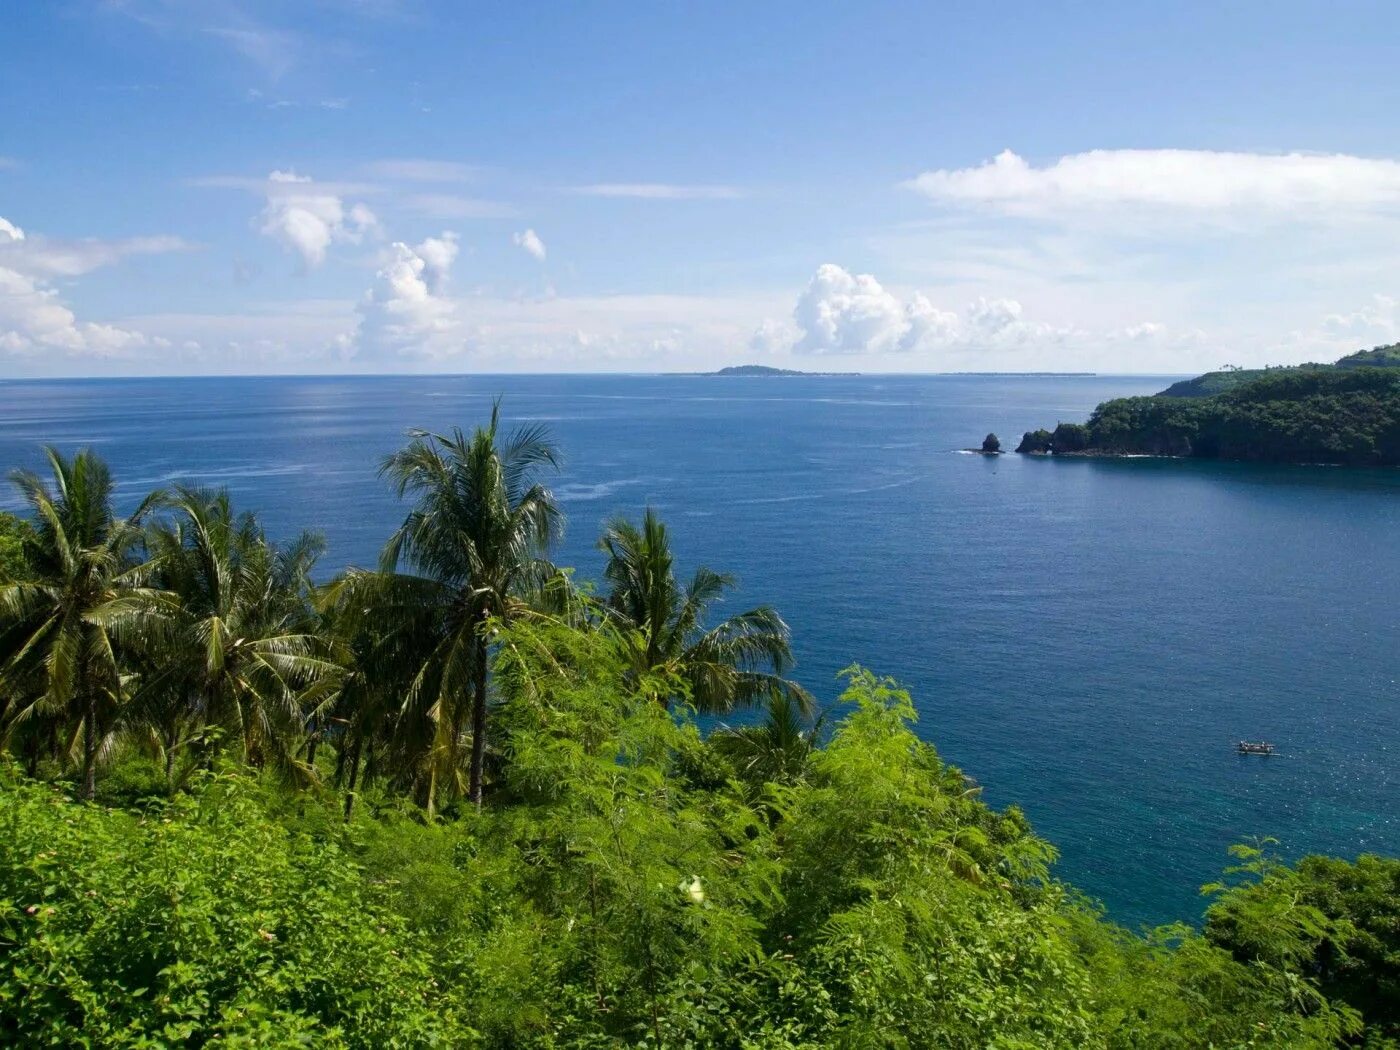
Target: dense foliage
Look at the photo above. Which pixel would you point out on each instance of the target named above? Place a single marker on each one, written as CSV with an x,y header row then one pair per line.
x,y
1228,378
1308,415
14,533
547,851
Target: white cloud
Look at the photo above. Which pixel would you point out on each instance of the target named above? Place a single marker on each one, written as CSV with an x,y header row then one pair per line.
x,y
33,320
844,313
407,313
411,169
928,325
1144,331
1292,185
428,328
530,243
992,316
57,257
308,218
1377,321
33,317
773,337
274,51
455,206
269,186
660,191
8,163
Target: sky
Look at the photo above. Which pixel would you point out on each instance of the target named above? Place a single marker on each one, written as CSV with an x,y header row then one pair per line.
x,y
350,186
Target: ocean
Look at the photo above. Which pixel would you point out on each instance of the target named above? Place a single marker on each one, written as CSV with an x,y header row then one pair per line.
x,y
1087,638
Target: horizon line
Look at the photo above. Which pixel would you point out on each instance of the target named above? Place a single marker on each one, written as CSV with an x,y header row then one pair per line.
x,y
1045,373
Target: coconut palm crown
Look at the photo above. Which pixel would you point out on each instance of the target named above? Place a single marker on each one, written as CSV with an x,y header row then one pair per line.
x,y
63,630
737,662
475,540
246,657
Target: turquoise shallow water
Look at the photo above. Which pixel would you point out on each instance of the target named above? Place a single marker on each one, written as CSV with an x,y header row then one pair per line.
x,y
1086,638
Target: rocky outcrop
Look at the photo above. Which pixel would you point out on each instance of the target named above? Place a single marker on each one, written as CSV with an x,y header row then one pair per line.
x,y
1035,442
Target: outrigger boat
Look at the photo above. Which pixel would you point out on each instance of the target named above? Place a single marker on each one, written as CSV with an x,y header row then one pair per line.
x,y
1260,747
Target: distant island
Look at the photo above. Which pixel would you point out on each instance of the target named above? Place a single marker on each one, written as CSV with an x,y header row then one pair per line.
x,y
768,370
1345,413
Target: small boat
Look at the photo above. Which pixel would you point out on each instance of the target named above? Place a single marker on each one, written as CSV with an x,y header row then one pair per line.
x,y
1258,747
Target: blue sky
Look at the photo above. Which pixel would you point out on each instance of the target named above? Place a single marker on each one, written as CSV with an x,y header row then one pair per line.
x,y
398,185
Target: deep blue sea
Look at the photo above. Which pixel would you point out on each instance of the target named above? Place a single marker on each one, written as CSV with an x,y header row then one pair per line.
x,y
1087,638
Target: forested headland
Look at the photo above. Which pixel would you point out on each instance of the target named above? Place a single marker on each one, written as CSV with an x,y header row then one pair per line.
x,y
462,798
1345,413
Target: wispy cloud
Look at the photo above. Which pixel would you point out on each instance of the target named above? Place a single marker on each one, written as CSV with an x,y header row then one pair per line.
x,y
660,191
273,51
410,169
337,103
272,186
445,206
1202,183
453,206
45,257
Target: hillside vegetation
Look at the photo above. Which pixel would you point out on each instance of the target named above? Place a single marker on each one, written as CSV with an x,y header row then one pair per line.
x,y
1348,413
464,800
1228,378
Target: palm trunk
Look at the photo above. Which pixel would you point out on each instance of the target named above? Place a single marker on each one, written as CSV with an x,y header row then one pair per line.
x,y
90,749
350,786
478,723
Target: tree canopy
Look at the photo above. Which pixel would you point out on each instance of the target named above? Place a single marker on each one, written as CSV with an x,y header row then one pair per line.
x,y
189,720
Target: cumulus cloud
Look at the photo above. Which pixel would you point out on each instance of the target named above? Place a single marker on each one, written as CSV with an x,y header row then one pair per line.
x,y
1198,181
308,218
1147,330
530,243
773,337
660,191
844,313
33,318
928,325
1378,321
407,311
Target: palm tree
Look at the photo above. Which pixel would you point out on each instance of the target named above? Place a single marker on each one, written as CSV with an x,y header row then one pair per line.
x,y
359,716
87,597
739,661
476,540
246,657
774,750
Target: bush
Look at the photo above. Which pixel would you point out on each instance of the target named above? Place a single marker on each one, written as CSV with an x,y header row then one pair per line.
x,y
196,922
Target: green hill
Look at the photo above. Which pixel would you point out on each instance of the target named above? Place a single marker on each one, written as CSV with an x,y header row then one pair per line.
x,y
1213,383
1344,413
